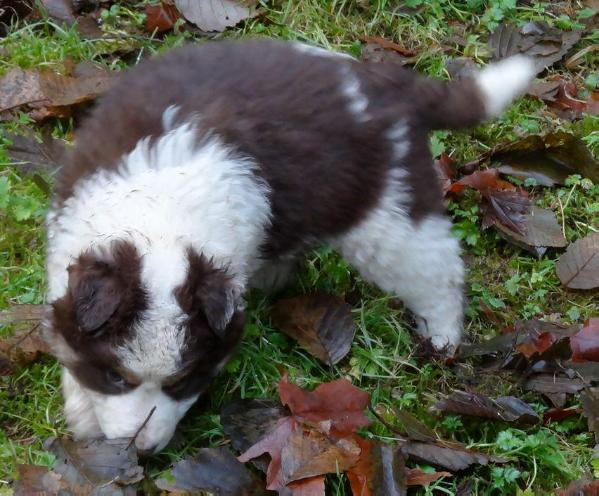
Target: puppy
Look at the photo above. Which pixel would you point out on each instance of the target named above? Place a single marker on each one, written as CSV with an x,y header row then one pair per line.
x,y
211,169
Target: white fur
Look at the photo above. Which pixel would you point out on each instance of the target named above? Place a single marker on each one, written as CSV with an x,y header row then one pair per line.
x,y
418,262
398,134
164,198
358,101
504,81
319,52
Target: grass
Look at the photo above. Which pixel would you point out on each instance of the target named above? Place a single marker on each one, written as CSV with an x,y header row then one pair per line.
x,y
513,283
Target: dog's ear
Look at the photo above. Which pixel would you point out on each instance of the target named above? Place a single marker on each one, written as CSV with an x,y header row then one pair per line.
x,y
211,290
95,292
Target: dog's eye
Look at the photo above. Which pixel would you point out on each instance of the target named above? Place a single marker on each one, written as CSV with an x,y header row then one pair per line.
x,y
115,378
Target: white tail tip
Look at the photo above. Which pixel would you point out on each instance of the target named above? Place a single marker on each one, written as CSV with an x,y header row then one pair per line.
x,y
504,81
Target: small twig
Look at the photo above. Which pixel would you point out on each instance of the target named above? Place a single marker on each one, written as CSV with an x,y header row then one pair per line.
x,y
141,427
561,207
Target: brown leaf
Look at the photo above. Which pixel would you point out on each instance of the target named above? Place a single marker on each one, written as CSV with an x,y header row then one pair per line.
x,y
161,17
450,457
388,45
585,344
335,407
21,349
28,154
445,168
375,53
482,180
590,405
49,93
23,313
545,44
558,414
416,477
216,15
549,383
583,487
310,453
548,159
578,268
321,323
507,209
273,444
215,470
63,12
84,467
413,428
380,471
506,408
537,343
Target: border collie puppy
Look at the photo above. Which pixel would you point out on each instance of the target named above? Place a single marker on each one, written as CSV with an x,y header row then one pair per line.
x,y
211,169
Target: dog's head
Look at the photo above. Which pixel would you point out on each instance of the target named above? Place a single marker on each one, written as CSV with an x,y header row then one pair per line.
x,y
134,336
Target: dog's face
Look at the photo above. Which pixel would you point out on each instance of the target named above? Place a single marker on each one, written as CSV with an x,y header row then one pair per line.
x,y
134,334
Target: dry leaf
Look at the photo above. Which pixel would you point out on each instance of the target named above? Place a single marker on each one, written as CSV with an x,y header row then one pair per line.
x,y
50,94
550,383
583,487
578,268
585,344
215,15
215,470
590,405
28,154
548,159
161,17
388,45
505,408
416,477
321,323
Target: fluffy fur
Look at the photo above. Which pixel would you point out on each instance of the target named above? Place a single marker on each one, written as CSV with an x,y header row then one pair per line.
x,y
212,169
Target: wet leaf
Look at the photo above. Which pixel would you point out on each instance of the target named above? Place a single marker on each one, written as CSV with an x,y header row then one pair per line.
x,y
590,405
334,407
311,453
549,383
561,96
216,15
585,344
578,268
507,209
28,154
161,17
388,45
545,44
321,323
548,159
452,458
413,428
50,94
482,180
380,471
416,477
215,470
97,467
505,408
559,414
583,487
445,168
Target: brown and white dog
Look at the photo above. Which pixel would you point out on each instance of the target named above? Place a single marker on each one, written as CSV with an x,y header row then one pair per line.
x,y
211,169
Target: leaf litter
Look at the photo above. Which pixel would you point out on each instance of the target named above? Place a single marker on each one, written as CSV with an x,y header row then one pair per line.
x,y
321,323
578,268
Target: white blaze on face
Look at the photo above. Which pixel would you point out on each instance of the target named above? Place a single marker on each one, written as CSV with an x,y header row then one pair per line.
x,y
122,415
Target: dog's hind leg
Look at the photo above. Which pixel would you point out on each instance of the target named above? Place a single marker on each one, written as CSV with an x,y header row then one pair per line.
x,y
417,261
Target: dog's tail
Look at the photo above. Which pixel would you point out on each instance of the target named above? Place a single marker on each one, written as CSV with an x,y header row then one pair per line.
x,y
483,95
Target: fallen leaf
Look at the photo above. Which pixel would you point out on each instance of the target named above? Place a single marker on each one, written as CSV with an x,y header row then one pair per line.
x,y
215,470
335,407
549,159
307,454
539,230
549,383
590,405
445,167
536,343
380,471
560,95
99,467
21,348
583,487
63,12
482,180
559,414
413,428
545,44
24,313
585,344
507,209
452,458
50,94
216,15
388,45
578,268
29,154
321,323
374,53
162,17
417,477
506,408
